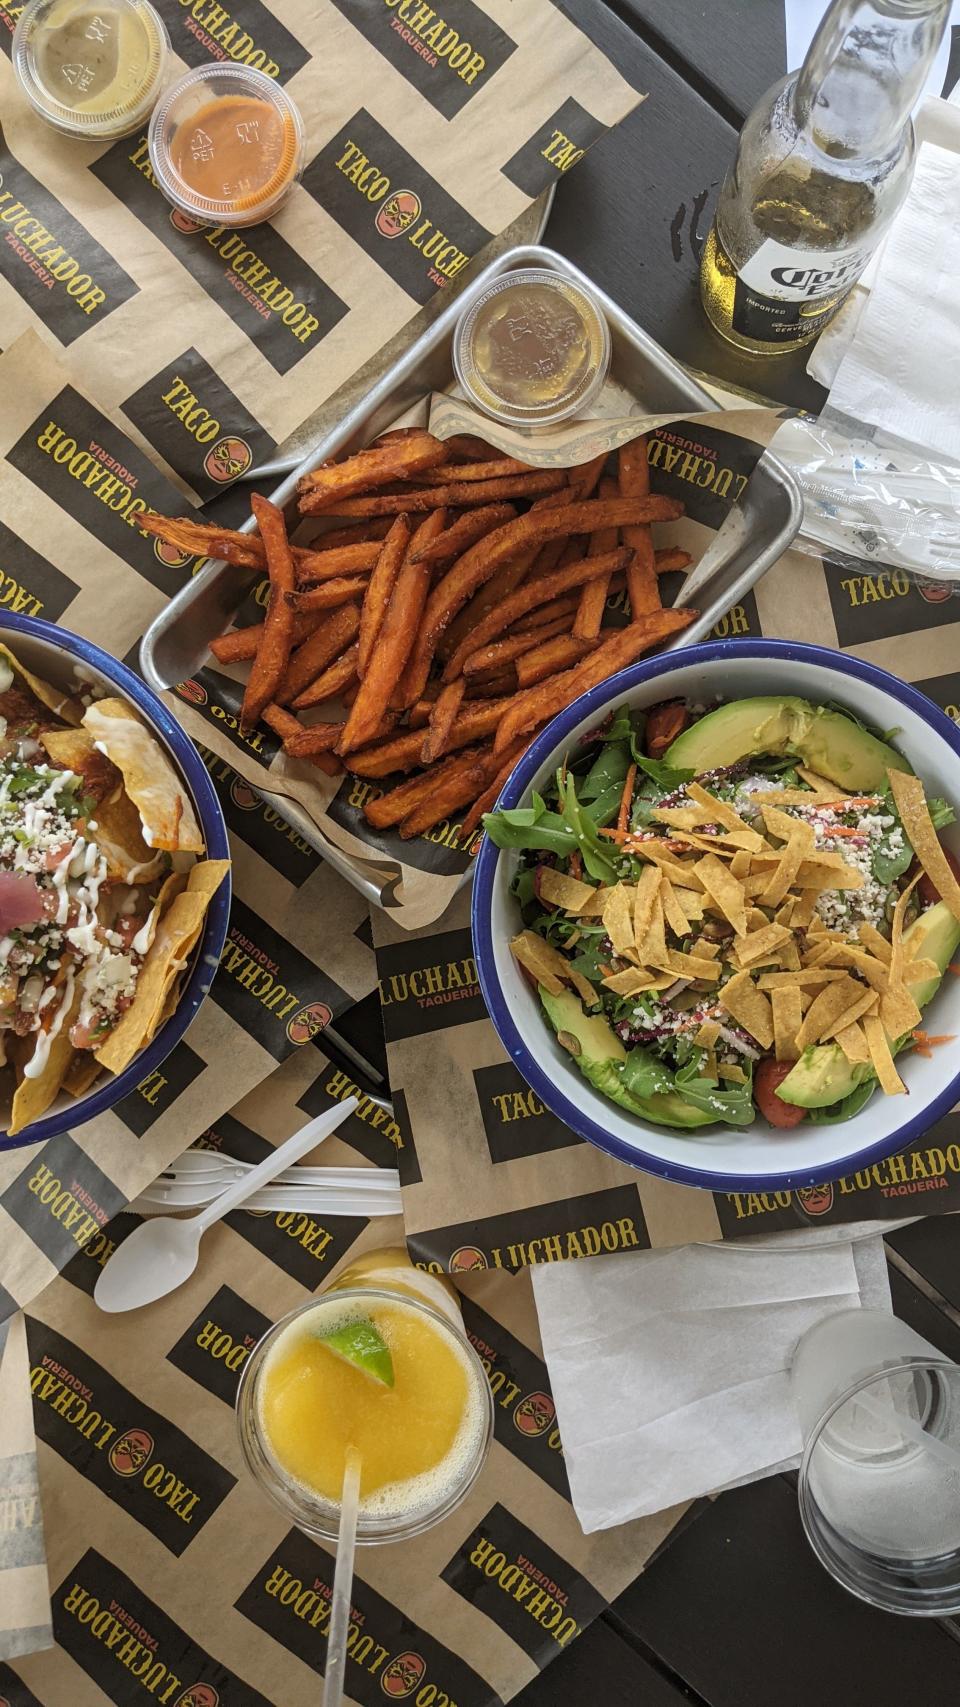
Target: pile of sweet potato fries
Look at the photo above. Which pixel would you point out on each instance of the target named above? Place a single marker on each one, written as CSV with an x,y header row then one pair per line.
x,y
458,611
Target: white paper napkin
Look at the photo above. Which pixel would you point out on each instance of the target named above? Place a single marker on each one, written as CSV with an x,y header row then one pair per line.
x,y
669,1368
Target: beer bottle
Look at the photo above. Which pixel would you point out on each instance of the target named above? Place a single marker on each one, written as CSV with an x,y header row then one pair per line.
x,y
823,163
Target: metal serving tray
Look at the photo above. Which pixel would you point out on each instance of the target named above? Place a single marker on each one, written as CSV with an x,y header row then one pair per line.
x,y
759,529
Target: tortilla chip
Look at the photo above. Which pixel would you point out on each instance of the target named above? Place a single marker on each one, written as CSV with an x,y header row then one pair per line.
x,y
896,934
879,1048
721,811
538,957
178,930
867,1004
793,980
876,974
749,1007
733,1074
618,918
650,882
588,993
899,1012
593,909
820,786
804,910
630,982
653,949
691,900
799,844
165,808
787,1016
692,966
833,1001
82,1072
915,816
33,1097
815,876
708,1033
61,704
877,944
684,876
740,863
558,890
724,890
853,1042
673,913
760,943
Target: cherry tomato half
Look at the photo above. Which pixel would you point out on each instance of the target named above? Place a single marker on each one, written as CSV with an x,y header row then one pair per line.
x,y
769,1074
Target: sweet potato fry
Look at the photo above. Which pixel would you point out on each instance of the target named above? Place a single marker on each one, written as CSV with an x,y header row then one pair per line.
x,y
466,447
266,671
595,593
369,468
553,609
329,595
402,752
339,560
634,481
501,686
586,478
392,808
507,579
379,588
497,469
437,497
553,655
327,642
354,533
486,801
286,726
550,696
337,677
470,527
535,593
671,558
445,709
318,738
395,639
511,646
240,643
228,545
484,559
448,793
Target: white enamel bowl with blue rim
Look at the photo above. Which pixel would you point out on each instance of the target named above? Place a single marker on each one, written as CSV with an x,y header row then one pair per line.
x,y
759,1157
75,665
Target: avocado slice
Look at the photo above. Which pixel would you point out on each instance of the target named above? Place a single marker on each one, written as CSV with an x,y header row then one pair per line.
x,y
831,744
823,1075
601,1054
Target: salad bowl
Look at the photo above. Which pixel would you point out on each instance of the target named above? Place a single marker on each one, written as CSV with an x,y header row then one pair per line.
x,y
751,1152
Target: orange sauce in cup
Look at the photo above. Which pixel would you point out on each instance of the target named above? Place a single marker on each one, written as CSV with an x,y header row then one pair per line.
x,y
234,149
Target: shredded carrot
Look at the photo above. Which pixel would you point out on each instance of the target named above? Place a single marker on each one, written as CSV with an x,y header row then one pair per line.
x,y
576,864
925,1040
856,800
615,835
842,830
921,1049
626,798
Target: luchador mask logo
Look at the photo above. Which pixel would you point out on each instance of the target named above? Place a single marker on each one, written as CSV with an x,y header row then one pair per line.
x,y
192,691
243,795
310,1021
402,1675
228,459
131,1452
199,1695
183,222
935,592
534,1414
398,213
468,1257
170,555
815,1199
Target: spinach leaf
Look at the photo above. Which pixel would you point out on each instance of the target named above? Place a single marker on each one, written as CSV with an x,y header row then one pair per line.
x,y
888,862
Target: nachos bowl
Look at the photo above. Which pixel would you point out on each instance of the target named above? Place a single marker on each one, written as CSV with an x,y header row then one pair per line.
x,y
83,715
758,1157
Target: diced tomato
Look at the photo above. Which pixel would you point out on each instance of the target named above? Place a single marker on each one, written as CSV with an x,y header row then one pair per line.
x,y
926,888
55,856
82,1036
769,1074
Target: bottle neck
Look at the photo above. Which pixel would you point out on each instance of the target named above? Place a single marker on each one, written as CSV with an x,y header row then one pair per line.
x,y
864,71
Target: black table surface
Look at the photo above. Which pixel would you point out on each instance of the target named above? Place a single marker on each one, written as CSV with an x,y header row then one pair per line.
x,y
735,1611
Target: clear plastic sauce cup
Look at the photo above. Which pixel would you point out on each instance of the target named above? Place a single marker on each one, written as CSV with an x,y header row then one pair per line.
x,y
226,145
91,71
533,350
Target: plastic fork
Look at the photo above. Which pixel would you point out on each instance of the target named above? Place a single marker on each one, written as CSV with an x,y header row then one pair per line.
x,y
314,1200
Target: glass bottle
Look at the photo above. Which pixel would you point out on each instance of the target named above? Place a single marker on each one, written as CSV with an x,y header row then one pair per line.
x,y
823,164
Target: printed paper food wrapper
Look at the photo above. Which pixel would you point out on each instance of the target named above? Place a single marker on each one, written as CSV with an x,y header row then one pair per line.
x,y
146,1496
424,139
72,485
705,460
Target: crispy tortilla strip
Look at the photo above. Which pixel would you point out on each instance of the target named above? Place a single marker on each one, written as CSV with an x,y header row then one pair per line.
x,y
708,1033
733,1074
380,588
785,1001
812,876
645,896
899,1012
33,1097
588,993
334,634
690,901
879,1047
804,910
369,468
896,934
630,982
62,705
541,959
653,949
834,1001
867,1003
267,669
821,787
178,928
877,944
814,976
692,966
876,974
914,815
539,703
454,494
749,1007
724,890
722,812
740,863
559,890
394,641
161,799
853,1042
799,846
533,530
673,912
760,943
618,918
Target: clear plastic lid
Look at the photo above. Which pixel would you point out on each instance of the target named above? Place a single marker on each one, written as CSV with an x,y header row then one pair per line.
x,y
91,70
226,145
534,349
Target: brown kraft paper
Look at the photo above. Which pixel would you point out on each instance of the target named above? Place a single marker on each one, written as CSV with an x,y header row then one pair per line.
x,y
142,1483
706,462
71,487
423,140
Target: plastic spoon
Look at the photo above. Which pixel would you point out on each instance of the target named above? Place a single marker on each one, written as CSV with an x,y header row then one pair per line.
x,y
342,1582
159,1256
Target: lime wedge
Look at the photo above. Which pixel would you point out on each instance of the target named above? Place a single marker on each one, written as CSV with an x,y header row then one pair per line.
x,y
361,1344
